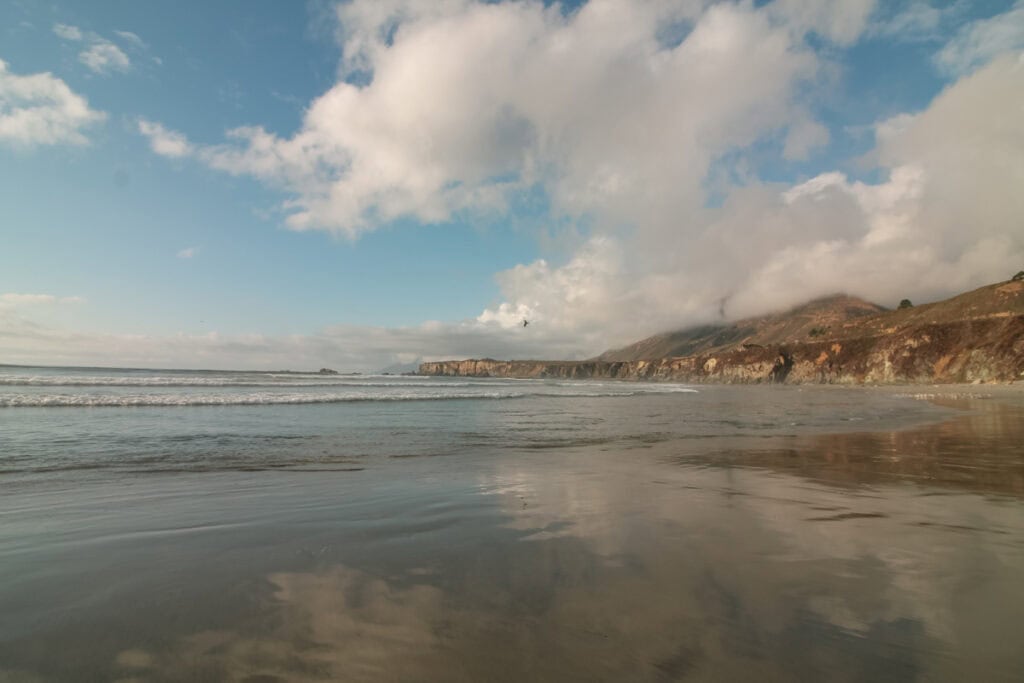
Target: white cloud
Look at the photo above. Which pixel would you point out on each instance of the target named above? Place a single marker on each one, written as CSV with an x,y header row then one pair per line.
x,y
840,22
104,57
459,106
980,41
164,142
575,296
913,22
15,299
131,38
40,109
68,32
802,137
948,217
893,127
23,299
101,55
470,104
188,252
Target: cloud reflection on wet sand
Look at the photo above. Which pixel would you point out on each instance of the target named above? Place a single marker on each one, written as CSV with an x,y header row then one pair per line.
x,y
655,573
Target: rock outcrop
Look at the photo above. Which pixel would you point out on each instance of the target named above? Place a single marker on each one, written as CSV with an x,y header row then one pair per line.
x,y
975,337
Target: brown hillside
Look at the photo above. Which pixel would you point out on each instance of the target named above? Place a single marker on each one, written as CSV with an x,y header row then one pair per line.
x,y
820,318
1001,300
833,317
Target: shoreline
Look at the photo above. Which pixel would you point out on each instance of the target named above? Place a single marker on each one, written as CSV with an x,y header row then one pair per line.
x,y
821,363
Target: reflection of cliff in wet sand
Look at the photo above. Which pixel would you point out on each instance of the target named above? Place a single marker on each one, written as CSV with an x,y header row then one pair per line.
x,y
977,336
978,451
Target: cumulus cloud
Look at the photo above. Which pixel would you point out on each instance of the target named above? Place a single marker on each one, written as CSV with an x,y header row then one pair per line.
x,y
458,107
469,104
947,217
802,137
917,21
188,252
131,38
840,22
40,109
164,142
980,41
68,32
100,55
590,284
104,57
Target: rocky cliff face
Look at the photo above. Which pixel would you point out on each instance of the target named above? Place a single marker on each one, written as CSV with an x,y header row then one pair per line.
x,y
977,336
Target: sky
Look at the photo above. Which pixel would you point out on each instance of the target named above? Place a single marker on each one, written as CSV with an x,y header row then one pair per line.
x,y
369,184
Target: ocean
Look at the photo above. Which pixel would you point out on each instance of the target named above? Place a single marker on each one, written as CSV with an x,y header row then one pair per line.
x,y
160,525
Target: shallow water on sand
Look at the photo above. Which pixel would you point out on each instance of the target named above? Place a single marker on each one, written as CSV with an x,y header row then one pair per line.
x,y
771,532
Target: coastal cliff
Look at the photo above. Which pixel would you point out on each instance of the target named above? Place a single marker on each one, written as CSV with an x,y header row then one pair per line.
x,y
975,337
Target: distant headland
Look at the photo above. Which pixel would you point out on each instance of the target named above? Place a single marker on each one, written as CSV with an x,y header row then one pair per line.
x,y
975,337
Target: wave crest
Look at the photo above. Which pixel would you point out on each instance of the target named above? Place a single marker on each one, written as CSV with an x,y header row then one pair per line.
x,y
153,400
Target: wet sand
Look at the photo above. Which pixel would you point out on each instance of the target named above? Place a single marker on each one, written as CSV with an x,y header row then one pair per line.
x,y
889,554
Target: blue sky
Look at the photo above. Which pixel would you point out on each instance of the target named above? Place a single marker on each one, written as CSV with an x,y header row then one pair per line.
x,y
115,205
267,184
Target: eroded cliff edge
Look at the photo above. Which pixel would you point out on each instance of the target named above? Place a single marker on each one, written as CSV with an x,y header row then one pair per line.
x,y
975,337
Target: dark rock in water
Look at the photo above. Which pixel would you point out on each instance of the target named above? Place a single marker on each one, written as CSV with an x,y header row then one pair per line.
x,y
781,367
327,371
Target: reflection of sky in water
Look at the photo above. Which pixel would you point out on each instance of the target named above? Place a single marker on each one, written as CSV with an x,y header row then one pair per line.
x,y
852,557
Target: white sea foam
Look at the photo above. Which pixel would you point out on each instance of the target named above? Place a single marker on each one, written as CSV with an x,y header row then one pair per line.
x,y
157,381
69,387
282,398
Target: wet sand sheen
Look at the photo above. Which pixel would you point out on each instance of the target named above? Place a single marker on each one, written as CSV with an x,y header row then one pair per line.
x,y
884,555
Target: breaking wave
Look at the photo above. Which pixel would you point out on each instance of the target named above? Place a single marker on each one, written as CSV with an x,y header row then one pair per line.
x,y
23,387
197,382
277,398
